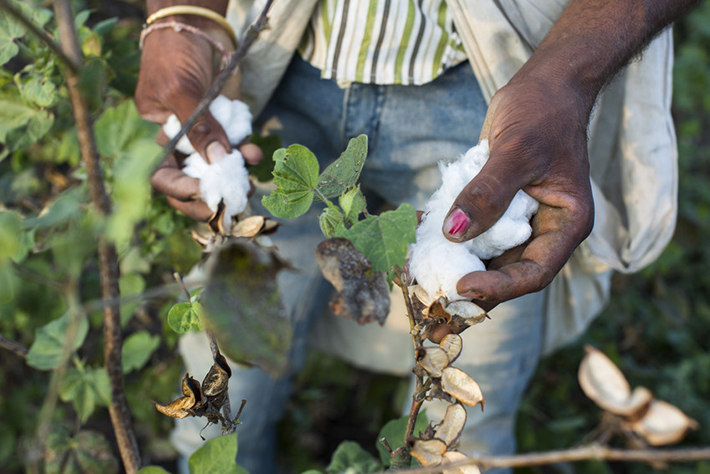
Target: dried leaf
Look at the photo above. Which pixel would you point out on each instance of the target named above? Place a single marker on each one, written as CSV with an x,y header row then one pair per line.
x,y
428,452
216,381
663,424
459,385
181,407
433,360
363,295
452,345
455,456
452,425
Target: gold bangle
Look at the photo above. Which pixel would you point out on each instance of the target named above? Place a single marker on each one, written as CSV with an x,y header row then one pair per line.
x,y
193,10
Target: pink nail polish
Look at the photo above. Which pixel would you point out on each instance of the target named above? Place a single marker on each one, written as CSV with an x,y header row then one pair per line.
x,y
456,224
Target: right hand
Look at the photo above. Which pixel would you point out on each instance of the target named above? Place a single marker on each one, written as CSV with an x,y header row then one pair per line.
x,y
177,69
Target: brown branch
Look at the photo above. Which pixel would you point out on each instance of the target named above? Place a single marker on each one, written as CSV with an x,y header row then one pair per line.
x,y
13,346
108,263
583,453
252,33
39,33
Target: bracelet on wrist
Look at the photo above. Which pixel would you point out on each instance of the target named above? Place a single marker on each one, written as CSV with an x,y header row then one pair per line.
x,y
197,11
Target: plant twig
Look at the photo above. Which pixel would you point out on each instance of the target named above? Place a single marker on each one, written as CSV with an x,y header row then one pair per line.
x,y
108,263
13,346
252,33
40,33
583,453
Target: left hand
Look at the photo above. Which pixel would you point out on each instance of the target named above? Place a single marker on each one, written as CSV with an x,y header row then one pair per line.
x,y
537,137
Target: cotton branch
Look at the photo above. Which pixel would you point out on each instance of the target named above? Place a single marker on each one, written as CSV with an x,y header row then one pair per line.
x,y
595,452
13,346
108,263
252,33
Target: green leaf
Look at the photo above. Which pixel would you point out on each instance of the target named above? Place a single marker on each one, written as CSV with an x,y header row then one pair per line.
x,y
131,286
11,29
350,458
384,239
353,204
137,349
344,172
11,247
39,90
330,219
394,431
243,307
217,455
85,388
119,127
182,317
295,177
13,115
268,144
88,451
48,347
66,207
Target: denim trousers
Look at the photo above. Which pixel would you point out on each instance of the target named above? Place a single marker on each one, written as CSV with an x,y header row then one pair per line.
x,y
410,129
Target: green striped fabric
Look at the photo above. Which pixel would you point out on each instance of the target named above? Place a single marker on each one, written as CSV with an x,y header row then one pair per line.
x,y
408,42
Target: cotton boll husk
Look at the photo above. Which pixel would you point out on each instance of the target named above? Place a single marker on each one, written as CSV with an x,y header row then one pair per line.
x,y
227,180
437,263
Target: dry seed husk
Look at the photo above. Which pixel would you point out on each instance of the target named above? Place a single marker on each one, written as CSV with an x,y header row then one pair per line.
x,y
428,452
451,344
461,386
455,456
452,425
468,310
663,424
180,408
603,382
248,227
434,361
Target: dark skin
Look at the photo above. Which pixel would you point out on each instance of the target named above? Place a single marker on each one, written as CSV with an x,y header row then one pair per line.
x,y
536,126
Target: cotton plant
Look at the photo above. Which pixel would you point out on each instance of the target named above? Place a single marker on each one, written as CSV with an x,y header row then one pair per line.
x,y
227,180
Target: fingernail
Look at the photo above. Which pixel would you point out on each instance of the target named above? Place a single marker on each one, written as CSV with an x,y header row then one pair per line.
x,y
215,152
457,223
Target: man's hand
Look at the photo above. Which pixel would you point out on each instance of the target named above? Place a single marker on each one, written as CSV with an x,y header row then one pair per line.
x,y
536,126
177,69
537,138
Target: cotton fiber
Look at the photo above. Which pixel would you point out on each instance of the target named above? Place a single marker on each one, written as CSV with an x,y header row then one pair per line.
x,y
435,262
227,179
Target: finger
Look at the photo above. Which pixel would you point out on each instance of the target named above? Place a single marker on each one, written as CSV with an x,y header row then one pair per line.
x,y
169,180
485,199
252,153
197,210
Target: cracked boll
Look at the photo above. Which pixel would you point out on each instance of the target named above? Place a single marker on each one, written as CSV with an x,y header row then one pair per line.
x,y
228,179
435,262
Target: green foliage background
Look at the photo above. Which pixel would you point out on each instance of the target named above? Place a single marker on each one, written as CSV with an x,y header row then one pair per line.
x,y
657,326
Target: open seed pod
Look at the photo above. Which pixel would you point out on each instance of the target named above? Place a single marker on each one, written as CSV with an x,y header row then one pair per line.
x,y
452,425
459,385
428,452
452,345
180,408
253,226
602,381
469,311
216,381
663,424
455,456
433,360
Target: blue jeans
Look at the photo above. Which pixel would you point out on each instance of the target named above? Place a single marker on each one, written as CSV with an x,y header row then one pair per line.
x,y
410,129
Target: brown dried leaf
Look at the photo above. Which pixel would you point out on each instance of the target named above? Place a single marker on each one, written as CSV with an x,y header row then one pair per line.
x,y
452,345
452,425
216,381
363,295
663,424
180,408
603,382
428,452
455,456
459,385
433,360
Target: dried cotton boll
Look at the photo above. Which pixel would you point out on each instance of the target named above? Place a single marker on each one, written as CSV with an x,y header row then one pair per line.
x,y
437,263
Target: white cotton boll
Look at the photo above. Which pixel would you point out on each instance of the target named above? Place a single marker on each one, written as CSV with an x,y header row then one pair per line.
x,y
437,263
227,180
171,128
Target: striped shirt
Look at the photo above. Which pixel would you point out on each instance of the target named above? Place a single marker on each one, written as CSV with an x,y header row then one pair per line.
x,y
408,42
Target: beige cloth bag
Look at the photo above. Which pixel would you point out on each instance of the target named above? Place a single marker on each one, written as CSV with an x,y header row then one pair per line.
x,y
632,149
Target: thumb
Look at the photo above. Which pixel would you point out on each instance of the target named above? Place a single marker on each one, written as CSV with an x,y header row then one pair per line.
x,y
207,135
483,201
